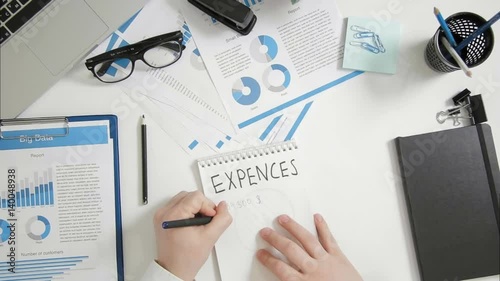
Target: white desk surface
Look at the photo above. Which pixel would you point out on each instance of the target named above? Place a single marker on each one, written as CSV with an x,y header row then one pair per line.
x,y
348,134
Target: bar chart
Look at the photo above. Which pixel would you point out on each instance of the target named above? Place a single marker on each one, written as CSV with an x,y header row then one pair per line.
x,y
34,192
185,30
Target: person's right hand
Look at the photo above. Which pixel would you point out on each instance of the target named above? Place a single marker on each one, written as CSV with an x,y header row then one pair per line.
x,y
183,251
313,261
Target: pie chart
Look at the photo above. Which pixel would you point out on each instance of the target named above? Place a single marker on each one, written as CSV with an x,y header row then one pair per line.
x,y
34,228
264,49
246,91
5,231
276,78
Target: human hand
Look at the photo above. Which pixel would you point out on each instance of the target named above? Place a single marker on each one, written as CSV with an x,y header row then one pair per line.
x,y
183,251
316,260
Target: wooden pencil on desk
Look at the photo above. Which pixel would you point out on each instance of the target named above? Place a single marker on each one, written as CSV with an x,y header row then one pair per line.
x,y
444,26
477,32
456,57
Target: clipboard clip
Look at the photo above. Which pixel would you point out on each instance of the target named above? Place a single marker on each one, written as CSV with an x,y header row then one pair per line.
x,y
473,105
5,123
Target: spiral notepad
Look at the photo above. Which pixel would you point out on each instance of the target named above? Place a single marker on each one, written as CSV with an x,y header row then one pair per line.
x,y
258,184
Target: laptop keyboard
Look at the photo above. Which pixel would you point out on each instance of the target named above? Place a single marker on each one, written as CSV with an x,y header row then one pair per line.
x,y
14,14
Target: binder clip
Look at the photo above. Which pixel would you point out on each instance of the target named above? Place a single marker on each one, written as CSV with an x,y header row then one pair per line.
x,y
472,105
231,13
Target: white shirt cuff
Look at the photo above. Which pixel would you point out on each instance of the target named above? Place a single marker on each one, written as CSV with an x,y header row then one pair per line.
x,y
157,273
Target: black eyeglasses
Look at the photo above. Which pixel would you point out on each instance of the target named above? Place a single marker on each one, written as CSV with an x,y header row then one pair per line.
x,y
118,64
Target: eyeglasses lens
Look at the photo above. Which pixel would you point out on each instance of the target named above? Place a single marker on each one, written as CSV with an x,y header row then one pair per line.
x,y
163,55
114,70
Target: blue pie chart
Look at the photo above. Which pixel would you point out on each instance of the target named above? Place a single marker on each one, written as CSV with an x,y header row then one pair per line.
x,y
38,236
4,227
272,85
246,91
264,49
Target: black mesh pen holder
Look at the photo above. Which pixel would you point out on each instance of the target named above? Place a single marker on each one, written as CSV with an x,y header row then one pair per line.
x,y
461,25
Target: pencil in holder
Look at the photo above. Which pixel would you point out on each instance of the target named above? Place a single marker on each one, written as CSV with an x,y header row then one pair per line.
x,y
461,25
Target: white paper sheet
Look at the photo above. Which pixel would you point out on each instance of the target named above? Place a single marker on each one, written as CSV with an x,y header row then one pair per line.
x,y
186,82
200,119
169,123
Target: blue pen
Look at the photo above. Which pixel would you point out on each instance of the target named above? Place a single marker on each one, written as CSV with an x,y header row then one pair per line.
x,y
478,32
444,26
196,221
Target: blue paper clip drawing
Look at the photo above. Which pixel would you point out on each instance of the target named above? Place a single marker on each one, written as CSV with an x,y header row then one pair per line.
x,y
363,35
359,28
365,46
378,42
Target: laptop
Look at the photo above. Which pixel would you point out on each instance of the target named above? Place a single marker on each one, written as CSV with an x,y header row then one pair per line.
x,y
41,40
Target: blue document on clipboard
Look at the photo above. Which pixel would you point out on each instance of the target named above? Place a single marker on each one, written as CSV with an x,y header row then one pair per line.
x,y
60,215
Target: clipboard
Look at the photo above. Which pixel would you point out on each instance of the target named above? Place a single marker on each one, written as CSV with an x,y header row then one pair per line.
x,y
64,131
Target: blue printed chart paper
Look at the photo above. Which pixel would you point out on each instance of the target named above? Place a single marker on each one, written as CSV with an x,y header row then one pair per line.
x,y
188,110
294,49
370,46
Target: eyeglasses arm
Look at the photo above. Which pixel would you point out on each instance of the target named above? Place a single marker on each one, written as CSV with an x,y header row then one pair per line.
x,y
104,68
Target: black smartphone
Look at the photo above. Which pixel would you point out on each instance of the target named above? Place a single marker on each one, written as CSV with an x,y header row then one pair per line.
x,y
229,12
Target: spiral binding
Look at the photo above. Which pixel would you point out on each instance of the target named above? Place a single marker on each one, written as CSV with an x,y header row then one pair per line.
x,y
249,153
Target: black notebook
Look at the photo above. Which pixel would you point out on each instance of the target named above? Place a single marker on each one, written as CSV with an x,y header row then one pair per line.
x,y
452,183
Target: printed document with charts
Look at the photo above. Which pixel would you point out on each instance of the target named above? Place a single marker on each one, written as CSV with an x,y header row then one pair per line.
x,y
293,53
190,111
259,184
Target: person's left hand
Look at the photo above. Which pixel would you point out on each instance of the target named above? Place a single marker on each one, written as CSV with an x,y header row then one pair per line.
x,y
311,259
183,251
